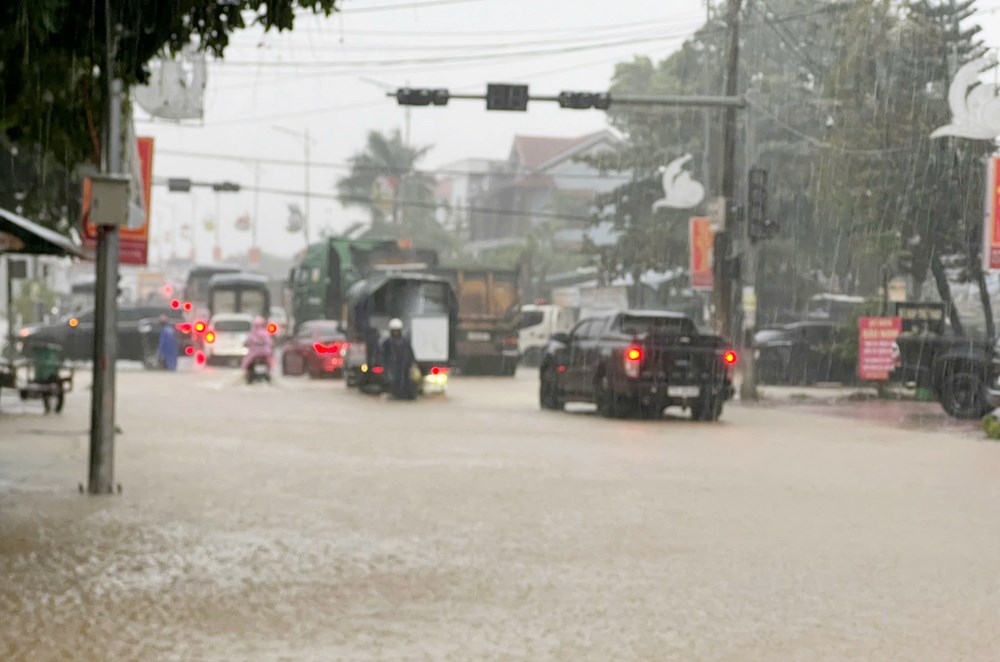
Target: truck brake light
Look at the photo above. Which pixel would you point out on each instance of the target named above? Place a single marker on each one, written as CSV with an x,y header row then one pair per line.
x,y
633,361
730,358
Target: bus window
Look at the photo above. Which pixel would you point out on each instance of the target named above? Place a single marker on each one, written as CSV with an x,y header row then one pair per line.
x,y
224,301
254,302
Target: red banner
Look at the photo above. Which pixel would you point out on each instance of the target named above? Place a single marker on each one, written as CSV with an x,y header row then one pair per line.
x,y
991,229
701,239
134,242
878,354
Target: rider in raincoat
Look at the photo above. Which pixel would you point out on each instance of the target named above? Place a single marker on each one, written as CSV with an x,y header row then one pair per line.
x,y
398,359
166,349
259,344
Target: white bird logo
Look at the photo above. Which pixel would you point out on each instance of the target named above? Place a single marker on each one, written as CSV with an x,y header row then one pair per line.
x,y
975,108
680,190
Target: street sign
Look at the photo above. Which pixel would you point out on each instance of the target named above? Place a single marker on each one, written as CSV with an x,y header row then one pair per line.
x,y
878,354
502,96
749,306
701,241
920,319
717,214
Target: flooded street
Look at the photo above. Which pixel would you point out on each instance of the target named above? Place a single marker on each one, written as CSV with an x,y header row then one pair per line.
x,y
303,522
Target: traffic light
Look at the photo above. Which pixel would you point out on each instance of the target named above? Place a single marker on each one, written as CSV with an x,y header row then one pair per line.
x,y
179,185
501,96
409,96
584,100
226,187
760,227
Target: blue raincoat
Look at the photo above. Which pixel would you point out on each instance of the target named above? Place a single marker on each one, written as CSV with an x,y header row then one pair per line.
x,y
167,348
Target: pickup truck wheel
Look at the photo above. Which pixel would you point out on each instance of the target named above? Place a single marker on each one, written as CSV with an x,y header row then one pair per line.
x,y
962,393
706,409
548,391
609,403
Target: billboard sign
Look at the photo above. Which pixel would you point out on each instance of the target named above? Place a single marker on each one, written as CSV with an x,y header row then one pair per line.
x,y
991,229
701,239
878,354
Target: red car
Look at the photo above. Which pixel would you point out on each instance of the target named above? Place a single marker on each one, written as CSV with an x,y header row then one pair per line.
x,y
317,348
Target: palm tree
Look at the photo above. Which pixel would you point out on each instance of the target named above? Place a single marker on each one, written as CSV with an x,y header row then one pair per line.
x,y
384,180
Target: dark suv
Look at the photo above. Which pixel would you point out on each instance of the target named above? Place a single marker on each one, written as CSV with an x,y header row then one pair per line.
x,y
75,333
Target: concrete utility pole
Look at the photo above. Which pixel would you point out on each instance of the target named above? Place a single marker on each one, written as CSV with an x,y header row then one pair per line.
x,y
102,401
727,278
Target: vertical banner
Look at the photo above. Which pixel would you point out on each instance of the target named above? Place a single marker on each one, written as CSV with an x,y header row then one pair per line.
x,y
134,241
878,354
991,229
701,239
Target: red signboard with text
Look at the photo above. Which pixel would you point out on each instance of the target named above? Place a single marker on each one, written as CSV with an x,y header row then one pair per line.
x,y
878,354
701,238
991,231
134,242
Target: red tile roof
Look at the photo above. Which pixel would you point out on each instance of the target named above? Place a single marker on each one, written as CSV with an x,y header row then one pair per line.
x,y
536,151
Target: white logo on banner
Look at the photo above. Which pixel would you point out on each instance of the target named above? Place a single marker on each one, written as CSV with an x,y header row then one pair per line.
x,y
680,190
975,108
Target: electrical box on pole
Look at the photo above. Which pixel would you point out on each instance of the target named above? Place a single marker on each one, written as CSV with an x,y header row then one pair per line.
x,y
501,96
109,200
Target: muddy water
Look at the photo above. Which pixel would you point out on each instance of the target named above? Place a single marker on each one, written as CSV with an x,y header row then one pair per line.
x,y
302,523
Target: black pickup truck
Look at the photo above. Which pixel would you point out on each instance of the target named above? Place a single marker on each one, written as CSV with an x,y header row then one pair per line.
x,y
637,361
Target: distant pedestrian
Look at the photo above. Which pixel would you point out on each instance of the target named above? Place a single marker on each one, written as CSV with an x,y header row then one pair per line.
x,y
167,348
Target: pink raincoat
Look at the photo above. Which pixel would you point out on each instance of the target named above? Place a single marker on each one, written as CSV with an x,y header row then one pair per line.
x,y
259,345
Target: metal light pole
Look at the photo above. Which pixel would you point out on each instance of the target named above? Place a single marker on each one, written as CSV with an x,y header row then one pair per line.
x,y
304,137
100,477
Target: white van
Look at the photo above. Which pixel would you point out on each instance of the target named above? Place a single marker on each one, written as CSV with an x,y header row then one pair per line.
x,y
538,323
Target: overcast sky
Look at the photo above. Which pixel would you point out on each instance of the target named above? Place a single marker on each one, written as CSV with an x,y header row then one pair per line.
x,y
314,79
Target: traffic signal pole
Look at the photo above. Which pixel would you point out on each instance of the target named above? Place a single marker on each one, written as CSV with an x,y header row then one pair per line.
x,y
729,240
726,276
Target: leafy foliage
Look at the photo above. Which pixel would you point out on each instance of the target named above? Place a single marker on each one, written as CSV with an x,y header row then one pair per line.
x,y
53,67
843,98
384,180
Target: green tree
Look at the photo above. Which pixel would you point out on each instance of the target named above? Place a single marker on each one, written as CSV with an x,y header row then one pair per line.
x,y
53,59
384,181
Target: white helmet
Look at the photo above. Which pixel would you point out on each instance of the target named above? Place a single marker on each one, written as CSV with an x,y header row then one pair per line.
x,y
395,324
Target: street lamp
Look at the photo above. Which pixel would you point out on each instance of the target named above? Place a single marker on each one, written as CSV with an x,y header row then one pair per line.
x,y
306,141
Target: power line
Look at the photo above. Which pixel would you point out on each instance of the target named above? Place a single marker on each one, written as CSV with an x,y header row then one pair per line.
x,y
350,166
405,5
474,57
417,204
648,31
482,33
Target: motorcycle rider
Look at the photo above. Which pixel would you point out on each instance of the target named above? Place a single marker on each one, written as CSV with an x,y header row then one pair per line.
x,y
398,358
259,345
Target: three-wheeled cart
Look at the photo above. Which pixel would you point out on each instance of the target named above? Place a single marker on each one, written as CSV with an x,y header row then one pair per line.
x,y
43,376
